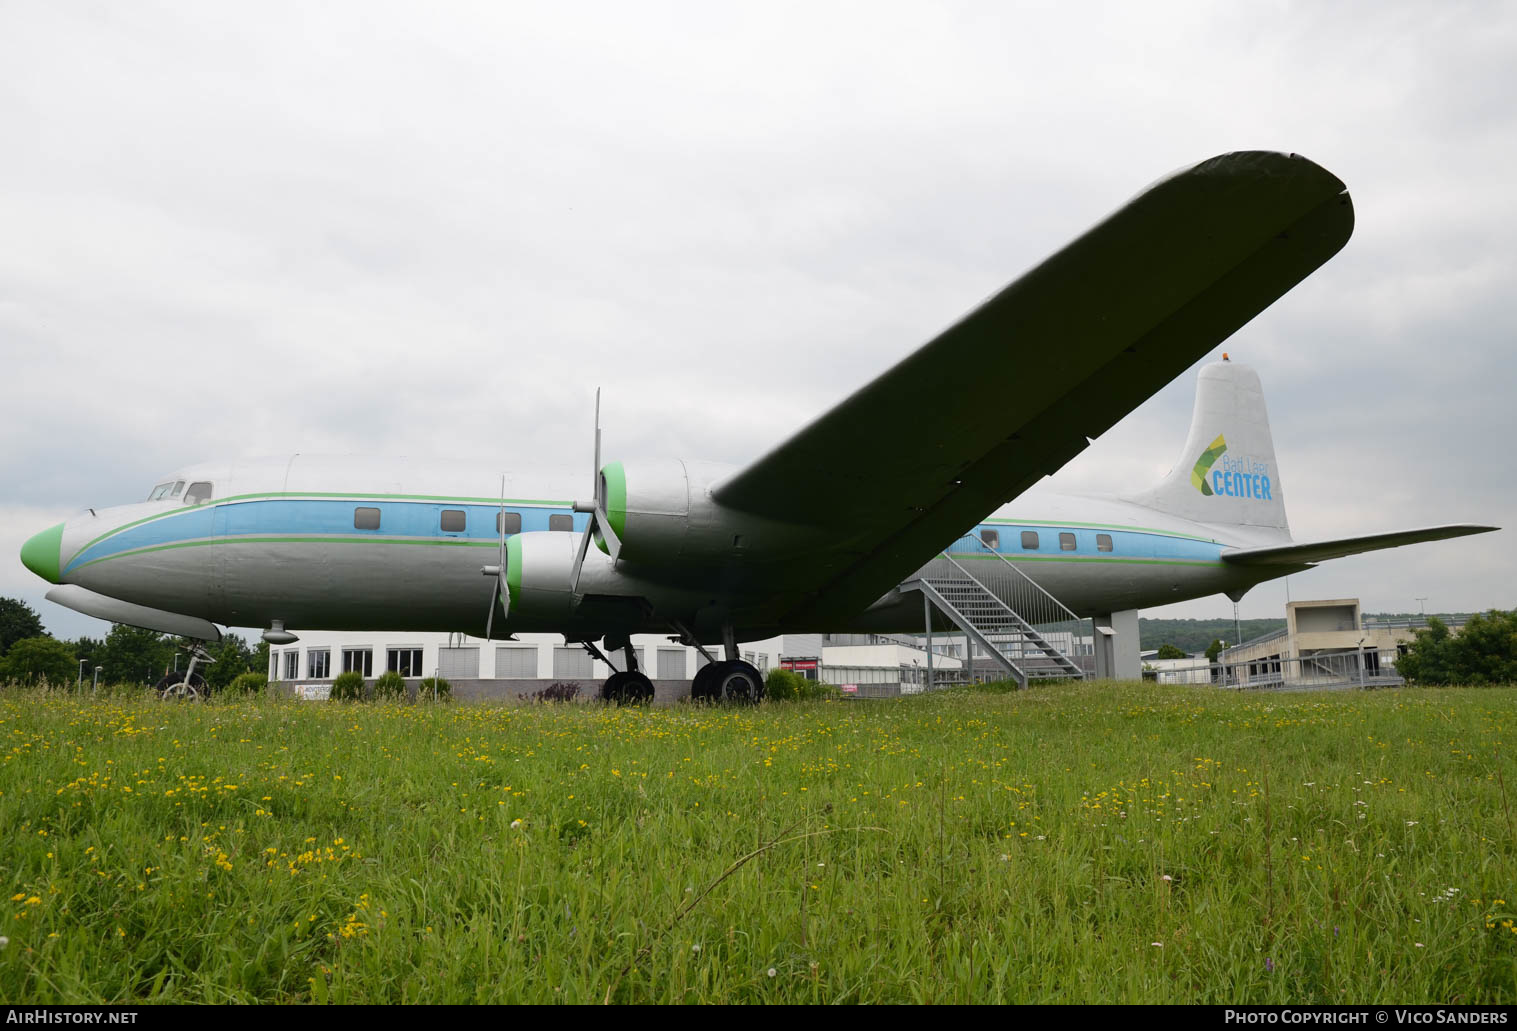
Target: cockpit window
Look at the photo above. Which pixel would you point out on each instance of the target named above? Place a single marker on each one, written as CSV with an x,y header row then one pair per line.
x,y
160,491
178,489
198,492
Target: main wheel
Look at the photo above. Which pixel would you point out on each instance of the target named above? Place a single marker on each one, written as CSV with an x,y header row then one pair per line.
x,y
173,687
704,687
738,681
626,688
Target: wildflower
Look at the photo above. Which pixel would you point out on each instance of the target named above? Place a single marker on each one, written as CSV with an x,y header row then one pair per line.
x,y
695,948
772,971
516,825
1157,945
1269,965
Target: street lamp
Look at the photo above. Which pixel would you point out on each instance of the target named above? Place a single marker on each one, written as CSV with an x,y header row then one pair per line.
x,y
1421,606
95,687
79,684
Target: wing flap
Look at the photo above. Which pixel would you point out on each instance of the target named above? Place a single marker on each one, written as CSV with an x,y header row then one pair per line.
x,y
1321,551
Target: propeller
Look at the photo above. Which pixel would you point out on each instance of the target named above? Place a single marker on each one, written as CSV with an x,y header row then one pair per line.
x,y
499,569
599,525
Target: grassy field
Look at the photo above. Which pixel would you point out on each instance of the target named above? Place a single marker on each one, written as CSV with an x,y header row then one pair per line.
x,y
1106,842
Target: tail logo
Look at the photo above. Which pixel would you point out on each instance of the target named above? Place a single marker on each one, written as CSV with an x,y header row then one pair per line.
x,y
1204,464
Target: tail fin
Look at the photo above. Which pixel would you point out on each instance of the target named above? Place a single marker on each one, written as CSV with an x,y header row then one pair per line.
x,y
1227,473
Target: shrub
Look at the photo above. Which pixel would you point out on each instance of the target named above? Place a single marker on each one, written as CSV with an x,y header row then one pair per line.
x,y
390,685
444,690
783,685
554,692
348,687
247,684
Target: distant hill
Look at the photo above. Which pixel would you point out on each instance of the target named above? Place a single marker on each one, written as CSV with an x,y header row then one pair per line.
x,y
1194,635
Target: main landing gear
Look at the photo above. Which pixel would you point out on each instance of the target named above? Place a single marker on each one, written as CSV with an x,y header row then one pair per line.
x,y
730,680
628,687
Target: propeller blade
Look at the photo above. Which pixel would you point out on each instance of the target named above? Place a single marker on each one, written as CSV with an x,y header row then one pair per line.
x,y
579,556
500,590
603,527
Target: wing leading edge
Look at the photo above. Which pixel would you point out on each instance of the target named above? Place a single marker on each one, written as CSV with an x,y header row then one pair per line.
x,y
1017,388
1321,551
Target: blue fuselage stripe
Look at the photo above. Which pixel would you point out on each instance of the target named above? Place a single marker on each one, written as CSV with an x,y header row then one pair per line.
x,y
314,517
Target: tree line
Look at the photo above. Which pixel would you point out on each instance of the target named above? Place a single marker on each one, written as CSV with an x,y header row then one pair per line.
x,y
126,655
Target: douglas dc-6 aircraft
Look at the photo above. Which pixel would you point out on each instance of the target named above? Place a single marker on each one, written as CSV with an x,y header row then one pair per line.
x,y
816,534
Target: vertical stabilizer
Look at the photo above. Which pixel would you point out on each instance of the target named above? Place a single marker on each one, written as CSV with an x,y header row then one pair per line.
x,y
1227,474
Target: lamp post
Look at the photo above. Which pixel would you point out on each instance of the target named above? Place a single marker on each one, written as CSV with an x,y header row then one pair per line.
x,y
95,687
79,684
1422,606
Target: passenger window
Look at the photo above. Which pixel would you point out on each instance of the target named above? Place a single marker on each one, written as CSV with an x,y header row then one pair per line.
x,y
453,521
1103,542
991,538
512,521
1066,542
365,518
561,522
198,492
1030,540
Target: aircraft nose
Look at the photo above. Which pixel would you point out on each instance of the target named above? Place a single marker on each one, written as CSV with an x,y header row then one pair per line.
x,y
42,553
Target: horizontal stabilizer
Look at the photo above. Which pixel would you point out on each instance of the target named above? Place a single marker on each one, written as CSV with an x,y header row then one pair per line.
x,y
1321,551
79,599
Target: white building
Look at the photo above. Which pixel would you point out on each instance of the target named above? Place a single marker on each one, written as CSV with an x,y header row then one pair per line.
x,y
476,668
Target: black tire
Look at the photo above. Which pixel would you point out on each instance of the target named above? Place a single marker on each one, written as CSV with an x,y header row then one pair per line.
x,y
704,687
738,682
173,688
626,688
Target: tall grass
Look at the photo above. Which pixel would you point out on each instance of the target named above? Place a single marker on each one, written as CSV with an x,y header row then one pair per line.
x,y
1105,842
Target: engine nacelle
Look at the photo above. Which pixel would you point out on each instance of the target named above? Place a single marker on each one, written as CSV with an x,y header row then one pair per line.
x,y
648,506
539,571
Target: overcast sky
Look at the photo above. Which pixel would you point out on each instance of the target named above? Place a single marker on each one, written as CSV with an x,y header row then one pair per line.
x,y
435,228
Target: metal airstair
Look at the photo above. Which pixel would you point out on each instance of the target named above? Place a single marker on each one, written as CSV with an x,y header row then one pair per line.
x,y
1008,618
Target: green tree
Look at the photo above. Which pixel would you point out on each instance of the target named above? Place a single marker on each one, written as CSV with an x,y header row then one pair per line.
x,y
1214,649
233,658
17,622
1483,652
260,658
33,660
133,655
1169,651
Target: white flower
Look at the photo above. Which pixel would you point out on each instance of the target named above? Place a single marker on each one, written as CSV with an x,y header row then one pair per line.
x,y
1166,877
695,948
516,825
772,971
1157,945
1419,945
4,942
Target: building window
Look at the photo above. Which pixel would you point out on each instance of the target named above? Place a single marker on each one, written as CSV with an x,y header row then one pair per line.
x,y
1103,542
671,664
1029,540
453,521
991,539
319,663
561,522
512,521
516,663
358,660
571,664
292,664
365,518
1066,542
197,493
405,661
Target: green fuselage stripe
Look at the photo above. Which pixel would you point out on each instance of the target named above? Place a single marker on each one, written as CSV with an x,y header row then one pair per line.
x,y
209,542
